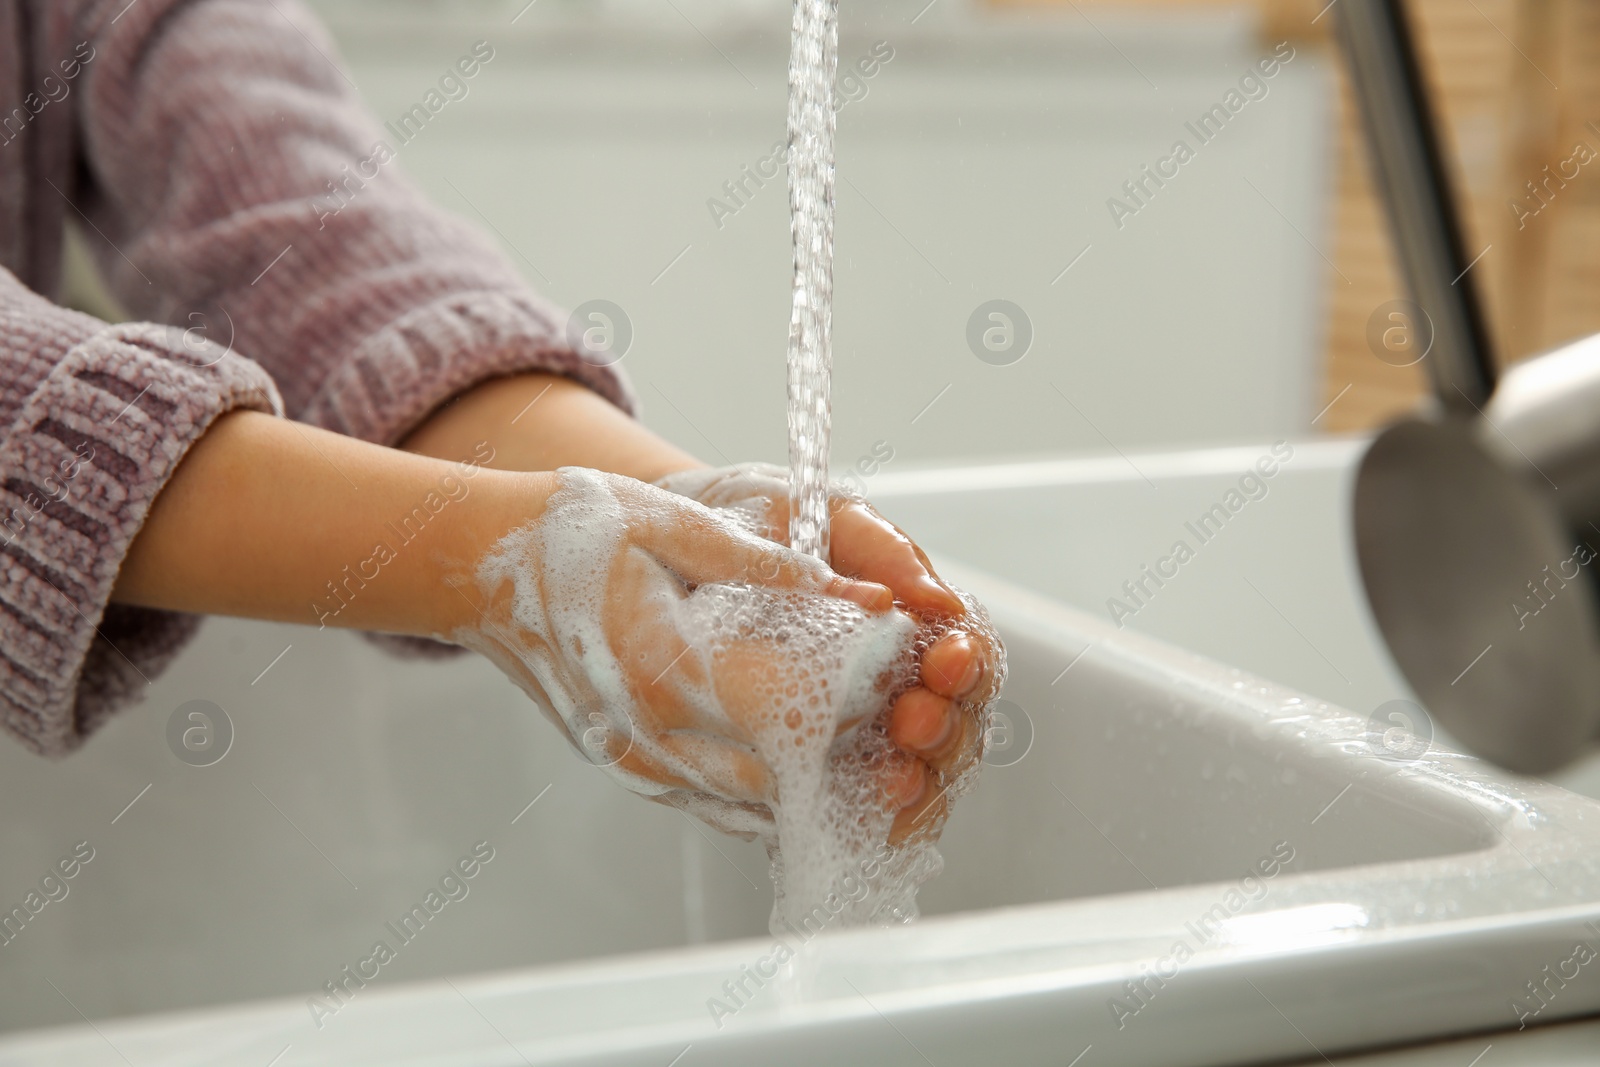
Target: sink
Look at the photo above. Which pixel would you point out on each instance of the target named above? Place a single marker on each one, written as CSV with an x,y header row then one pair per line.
x,y
1179,864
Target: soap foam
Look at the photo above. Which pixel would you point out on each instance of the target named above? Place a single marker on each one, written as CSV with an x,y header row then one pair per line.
x,y
811,704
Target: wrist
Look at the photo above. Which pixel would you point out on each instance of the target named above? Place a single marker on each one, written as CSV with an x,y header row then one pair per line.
x,y
497,502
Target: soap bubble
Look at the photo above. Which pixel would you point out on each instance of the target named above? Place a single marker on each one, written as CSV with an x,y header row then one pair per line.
x,y
1399,730
199,733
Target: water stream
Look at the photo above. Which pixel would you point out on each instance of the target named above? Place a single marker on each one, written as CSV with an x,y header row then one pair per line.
x,y
830,859
813,60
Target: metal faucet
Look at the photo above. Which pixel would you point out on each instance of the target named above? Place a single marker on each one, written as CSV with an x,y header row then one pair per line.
x,y
1477,521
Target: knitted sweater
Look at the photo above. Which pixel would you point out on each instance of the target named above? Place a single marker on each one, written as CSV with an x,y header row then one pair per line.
x,y
199,143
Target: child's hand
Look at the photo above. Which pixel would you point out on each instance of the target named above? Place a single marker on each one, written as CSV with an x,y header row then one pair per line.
x,y
668,641
937,722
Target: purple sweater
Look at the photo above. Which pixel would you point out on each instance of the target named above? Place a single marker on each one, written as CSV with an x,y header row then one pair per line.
x,y
198,144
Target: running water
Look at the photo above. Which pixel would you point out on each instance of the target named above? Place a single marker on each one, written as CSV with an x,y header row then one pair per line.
x,y
813,60
814,714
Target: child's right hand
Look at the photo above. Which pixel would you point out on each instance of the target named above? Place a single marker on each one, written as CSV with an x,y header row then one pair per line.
x,y
938,724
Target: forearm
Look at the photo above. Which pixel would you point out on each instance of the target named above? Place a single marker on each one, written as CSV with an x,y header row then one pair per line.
x,y
266,518
538,422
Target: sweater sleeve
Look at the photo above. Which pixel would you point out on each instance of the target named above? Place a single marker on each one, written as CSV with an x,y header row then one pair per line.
x,y
242,188
240,183
96,419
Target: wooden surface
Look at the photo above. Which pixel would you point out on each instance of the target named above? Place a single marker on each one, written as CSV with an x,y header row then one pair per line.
x,y
1516,84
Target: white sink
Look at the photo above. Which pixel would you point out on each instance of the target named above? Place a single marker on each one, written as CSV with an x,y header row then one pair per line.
x,y
1421,898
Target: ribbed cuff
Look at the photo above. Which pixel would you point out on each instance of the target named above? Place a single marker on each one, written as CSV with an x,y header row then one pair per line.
x,y
405,371
82,462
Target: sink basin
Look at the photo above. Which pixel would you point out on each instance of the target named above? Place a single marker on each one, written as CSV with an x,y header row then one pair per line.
x,y
1185,866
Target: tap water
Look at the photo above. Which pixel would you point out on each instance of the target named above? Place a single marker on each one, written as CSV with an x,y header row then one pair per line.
x,y
831,862
813,61
798,680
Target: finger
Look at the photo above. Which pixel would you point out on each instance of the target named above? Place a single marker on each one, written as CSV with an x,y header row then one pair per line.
x,y
863,544
954,666
701,547
661,669
922,722
746,485
904,780
923,817
636,762
941,732
692,715
748,680
729,771
961,749
747,821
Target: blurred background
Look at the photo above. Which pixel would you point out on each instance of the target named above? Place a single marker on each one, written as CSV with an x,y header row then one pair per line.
x,y
1147,356
976,164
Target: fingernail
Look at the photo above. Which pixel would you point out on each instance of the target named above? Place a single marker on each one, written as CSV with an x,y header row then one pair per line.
x,y
923,725
947,725
870,595
974,672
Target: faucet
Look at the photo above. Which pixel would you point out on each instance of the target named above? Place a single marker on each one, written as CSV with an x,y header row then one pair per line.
x,y
1477,519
